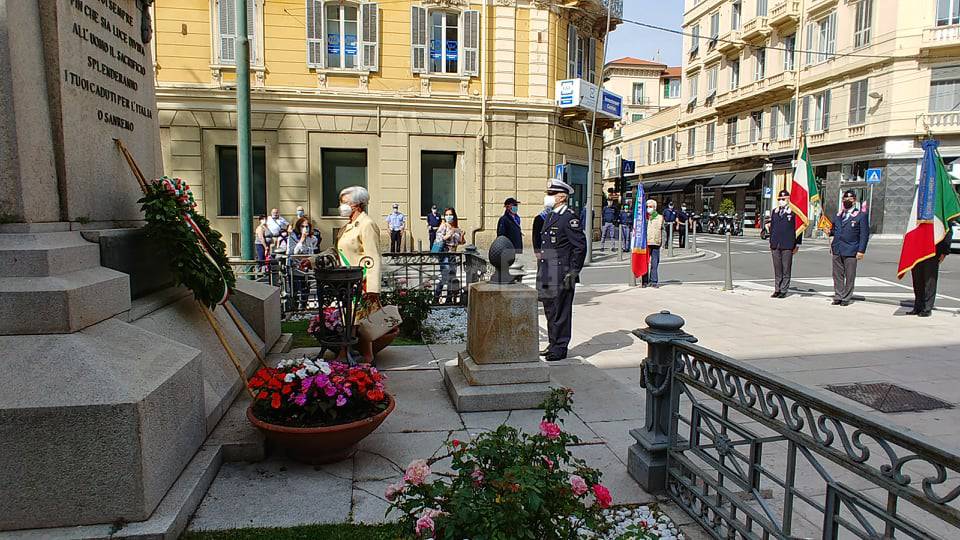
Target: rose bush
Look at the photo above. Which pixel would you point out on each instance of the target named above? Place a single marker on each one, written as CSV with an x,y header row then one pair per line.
x,y
505,484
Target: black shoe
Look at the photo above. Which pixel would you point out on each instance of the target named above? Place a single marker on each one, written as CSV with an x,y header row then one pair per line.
x,y
836,302
544,352
775,295
845,303
913,312
554,357
924,314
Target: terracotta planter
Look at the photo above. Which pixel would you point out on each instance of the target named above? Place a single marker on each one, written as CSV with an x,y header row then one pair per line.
x,y
319,445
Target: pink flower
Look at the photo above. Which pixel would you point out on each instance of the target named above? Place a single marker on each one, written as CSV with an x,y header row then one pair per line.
x,y
602,495
477,476
393,490
417,472
549,430
341,400
578,485
549,463
425,523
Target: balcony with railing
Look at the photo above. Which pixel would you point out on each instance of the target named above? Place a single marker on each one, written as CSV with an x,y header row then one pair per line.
x,y
939,122
756,30
749,149
616,8
940,37
730,42
817,7
785,13
767,90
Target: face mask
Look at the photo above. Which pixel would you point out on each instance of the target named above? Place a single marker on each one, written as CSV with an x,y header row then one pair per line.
x,y
434,210
848,204
514,209
345,210
684,208
299,213
549,201
649,210
275,216
448,218
782,203
306,231
396,210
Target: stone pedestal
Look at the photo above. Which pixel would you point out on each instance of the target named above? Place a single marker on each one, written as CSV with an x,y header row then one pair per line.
x,y
501,369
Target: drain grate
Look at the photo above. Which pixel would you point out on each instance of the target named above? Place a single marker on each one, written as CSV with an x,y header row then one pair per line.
x,y
888,398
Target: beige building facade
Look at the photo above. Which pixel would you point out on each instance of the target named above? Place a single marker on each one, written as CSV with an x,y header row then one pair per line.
x,y
863,80
447,102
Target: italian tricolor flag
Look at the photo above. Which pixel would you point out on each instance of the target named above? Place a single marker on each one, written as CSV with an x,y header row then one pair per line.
x,y
803,191
934,206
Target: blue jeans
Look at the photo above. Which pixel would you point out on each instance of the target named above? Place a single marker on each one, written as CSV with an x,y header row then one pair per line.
x,y
625,234
608,231
652,276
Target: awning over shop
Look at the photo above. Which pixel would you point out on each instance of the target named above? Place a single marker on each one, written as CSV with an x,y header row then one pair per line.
x,y
720,180
742,179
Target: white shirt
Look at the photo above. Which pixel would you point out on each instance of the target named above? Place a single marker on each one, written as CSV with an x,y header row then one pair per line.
x,y
276,225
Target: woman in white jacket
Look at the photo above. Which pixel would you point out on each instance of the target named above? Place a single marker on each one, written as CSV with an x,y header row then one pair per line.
x,y
654,240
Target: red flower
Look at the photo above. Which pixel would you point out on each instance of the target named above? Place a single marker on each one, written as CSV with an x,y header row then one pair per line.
x,y
256,382
275,401
456,443
375,395
262,395
287,388
602,495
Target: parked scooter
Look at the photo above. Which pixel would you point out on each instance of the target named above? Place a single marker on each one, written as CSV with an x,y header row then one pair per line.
x,y
713,223
736,225
765,229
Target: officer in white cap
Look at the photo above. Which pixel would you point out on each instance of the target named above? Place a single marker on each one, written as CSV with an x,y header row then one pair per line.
x,y
564,248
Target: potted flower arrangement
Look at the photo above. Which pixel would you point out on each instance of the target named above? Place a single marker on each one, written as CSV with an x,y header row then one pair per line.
x,y
505,481
318,411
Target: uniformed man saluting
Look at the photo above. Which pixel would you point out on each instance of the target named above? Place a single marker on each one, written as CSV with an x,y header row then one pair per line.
x,y
564,248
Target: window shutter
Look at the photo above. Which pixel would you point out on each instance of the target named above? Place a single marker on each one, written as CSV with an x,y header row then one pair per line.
x,y
854,103
805,118
831,34
792,118
774,111
315,54
418,39
826,110
370,36
810,43
593,61
471,43
571,51
228,35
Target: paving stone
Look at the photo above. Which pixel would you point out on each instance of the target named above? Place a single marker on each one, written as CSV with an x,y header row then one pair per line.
x,y
406,358
369,505
276,493
383,456
527,420
422,403
616,434
623,488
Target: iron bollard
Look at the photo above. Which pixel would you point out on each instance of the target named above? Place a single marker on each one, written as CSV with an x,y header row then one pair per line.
x,y
670,240
647,459
728,270
419,245
693,240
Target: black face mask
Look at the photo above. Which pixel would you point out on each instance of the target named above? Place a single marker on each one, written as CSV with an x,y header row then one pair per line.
x,y
848,204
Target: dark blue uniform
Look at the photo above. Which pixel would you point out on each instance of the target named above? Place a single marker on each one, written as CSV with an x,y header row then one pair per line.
x,y
508,226
626,226
850,232
433,223
564,248
783,240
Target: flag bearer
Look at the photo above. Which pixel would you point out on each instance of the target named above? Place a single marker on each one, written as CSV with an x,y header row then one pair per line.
x,y
784,242
850,232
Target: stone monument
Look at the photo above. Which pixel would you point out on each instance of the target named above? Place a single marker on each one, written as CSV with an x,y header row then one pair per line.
x,y
501,368
118,379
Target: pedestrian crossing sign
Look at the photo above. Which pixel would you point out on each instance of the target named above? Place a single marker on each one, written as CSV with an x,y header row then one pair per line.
x,y
874,176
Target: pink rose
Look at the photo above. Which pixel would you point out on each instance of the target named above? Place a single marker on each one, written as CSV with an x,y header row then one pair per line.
x,y
578,485
393,490
549,430
477,476
424,524
417,472
549,463
602,495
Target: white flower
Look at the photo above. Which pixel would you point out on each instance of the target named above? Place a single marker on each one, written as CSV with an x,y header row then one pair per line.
x,y
301,373
324,367
312,369
288,378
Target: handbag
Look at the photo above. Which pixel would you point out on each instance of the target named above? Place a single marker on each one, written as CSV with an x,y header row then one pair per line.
x,y
437,247
380,322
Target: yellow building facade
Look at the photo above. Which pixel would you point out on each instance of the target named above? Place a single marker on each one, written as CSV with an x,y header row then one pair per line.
x,y
447,102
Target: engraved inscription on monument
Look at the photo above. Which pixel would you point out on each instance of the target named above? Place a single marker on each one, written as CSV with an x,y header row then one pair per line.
x,y
106,91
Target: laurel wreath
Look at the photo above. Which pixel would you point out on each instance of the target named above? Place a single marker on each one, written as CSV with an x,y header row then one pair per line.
x,y
195,253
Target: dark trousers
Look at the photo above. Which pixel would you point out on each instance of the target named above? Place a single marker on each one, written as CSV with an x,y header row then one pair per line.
x,y
782,267
395,238
844,276
682,233
924,276
301,291
433,237
653,276
558,310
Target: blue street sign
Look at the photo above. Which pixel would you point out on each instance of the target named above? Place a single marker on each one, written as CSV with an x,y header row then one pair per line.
x,y
627,167
560,172
767,192
874,176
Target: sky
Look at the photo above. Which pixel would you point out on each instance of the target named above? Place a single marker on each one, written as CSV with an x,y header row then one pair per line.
x,y
632,40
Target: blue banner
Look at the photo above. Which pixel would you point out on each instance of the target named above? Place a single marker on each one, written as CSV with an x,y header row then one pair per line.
x,y
928,181
435,52
350,45
452,49
639,241
333,43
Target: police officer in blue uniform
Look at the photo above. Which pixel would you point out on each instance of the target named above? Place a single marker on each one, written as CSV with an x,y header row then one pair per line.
x,y
563,249
433,223
784,242
850,232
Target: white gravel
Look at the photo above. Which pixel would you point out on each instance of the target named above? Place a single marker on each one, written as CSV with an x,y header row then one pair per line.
x,y
656,524
447,325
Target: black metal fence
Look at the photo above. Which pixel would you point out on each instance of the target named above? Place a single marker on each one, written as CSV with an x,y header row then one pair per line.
x,y
447,274
750,455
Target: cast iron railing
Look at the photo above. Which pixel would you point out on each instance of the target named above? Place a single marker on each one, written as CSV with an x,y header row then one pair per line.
x,y
448,274
751,455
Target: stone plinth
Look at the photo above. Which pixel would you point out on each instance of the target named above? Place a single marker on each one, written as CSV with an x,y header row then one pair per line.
x,y
501,369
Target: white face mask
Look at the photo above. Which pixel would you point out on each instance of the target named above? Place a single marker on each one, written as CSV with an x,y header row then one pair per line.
x,y
448,218
345,210
306,231
649,210
549,201
782,203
